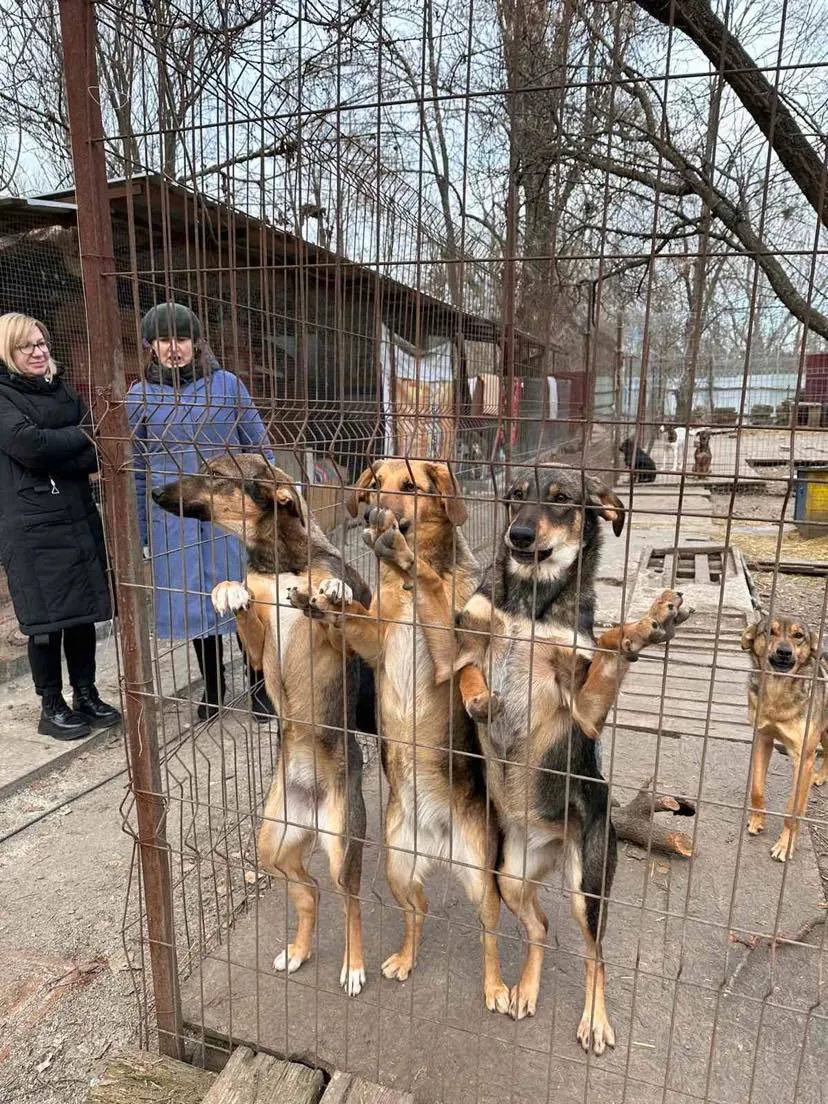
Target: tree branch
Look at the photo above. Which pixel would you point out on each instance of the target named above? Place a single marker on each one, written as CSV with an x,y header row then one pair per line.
x,y
758,96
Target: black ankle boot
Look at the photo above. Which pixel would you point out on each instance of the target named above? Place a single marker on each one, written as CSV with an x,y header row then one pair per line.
x,y
87,701
260,703
59,721
212,699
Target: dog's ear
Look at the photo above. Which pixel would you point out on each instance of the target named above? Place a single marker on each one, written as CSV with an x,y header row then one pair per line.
x,y
288,498
610,506
275,491
449,492
749,635
360,492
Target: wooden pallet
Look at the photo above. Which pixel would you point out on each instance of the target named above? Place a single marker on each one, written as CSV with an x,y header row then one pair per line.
x,y
249,1077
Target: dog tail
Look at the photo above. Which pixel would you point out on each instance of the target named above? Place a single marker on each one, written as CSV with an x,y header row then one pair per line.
x,y
599,843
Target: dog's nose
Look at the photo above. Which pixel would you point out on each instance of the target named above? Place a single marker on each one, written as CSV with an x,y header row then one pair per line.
x,y
156,493
521,536
784,650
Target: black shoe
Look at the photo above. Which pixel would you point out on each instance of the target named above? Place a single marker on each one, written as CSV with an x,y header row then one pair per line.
x,y
260,703
87,701
60,722
206,710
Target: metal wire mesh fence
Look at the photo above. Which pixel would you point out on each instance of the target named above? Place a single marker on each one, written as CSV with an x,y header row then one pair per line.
x,y
566,266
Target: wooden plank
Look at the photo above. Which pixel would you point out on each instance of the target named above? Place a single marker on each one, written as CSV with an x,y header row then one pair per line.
x,y
702,569
257,1078
137,1077
790,567
345,1088
644,722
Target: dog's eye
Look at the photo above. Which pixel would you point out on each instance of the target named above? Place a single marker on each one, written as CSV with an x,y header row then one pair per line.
x,y
560,498
516,493
408,486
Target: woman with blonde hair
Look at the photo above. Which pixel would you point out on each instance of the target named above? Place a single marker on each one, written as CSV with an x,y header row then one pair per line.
x,y
51,538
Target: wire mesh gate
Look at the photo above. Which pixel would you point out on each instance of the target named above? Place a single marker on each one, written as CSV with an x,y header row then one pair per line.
x,y
467,239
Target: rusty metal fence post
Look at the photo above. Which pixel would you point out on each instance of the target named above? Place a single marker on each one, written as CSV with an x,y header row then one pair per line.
x,y
79,32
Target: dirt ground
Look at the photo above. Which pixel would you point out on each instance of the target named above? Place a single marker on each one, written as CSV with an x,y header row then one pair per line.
x,y
66,1019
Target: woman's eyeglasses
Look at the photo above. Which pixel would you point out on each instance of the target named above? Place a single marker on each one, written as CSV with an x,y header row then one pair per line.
x,y
32,347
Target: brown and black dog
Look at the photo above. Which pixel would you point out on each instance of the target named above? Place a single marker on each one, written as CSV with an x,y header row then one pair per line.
x,y
312,681
530,629
788,702
702,455
437,807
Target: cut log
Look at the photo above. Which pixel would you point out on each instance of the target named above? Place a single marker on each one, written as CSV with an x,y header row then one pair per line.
x,y
138,1077
638,822
344,1088
256,1078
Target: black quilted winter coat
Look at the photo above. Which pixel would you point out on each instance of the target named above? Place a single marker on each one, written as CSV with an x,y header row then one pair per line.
x,y
51,538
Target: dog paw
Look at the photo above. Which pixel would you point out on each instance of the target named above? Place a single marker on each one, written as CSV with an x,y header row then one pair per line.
x,y
299,596
497,997
659,625
783,849
756,824
290,959
397,966
352,979
484,706
821,777
384,538
337,591
230,597
522,1003
597,1032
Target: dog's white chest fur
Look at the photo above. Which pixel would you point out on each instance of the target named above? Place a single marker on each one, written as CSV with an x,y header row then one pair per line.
x,y
522,673
283,616
406,662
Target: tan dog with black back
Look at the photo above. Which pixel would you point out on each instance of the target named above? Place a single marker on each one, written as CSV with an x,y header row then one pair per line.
x,y
312,681
788,702
437,806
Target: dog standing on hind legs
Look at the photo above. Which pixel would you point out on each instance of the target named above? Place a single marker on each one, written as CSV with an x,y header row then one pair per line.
x,y
316,791
532,627
437,805
787,671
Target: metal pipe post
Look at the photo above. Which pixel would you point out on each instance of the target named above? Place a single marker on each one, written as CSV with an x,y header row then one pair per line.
x,y
106,359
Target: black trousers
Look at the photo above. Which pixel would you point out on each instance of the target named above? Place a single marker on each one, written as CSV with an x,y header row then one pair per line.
x,y
44,659
209,652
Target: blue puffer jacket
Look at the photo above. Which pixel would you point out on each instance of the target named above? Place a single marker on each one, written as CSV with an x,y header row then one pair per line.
x,y
174,431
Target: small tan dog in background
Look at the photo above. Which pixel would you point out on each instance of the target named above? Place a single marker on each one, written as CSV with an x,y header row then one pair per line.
x,y
787,702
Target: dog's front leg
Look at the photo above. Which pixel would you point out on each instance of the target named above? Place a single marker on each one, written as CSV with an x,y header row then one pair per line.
x,y
803,774
333,603
435,614
477,623
230,597
762,751
616,649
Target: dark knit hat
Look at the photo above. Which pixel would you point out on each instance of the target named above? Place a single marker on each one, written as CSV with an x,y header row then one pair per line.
x,y
170,320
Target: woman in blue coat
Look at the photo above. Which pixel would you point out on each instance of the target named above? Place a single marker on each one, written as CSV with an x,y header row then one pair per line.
x,y
186,410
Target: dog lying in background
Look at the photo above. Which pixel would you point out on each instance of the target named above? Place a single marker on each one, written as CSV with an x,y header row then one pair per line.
x,y
531,626
674,439
702,455
788,702
641,465
437,806
317,785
